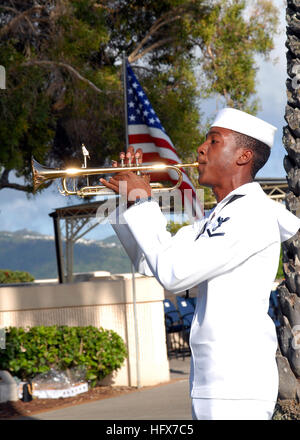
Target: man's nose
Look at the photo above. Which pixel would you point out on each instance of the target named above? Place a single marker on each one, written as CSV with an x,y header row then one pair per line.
x,y
202,149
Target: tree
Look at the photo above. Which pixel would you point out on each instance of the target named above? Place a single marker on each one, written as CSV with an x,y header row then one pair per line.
x,y
45,48
62,59
289,290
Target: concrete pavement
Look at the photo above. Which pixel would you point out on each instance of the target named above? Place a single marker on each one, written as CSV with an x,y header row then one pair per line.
x,y
168,401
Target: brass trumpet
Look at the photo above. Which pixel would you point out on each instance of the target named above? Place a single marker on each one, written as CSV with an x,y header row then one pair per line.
x,y
41,174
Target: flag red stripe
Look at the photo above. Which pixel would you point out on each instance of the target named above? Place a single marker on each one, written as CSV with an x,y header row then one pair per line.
x,y
147,139
155,157
159,177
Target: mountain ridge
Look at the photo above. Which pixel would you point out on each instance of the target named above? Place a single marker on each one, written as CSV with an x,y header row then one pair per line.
x,y
34,252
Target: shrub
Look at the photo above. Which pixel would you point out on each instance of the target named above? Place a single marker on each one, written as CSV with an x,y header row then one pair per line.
x,y
174,227
280,273
14,276
29,352
287,410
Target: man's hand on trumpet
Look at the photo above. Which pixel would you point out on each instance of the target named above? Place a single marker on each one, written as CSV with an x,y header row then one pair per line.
x,y
128,183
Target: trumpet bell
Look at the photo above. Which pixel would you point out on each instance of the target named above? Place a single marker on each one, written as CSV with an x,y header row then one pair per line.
x,y
41,174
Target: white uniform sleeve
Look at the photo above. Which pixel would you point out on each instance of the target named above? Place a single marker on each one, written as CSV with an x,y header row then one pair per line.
x,y
182,262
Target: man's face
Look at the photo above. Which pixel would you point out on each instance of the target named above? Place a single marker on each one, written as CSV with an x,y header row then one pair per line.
x,y
217,157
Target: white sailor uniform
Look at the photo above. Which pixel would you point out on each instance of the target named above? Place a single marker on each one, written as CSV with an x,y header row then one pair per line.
x,y
233,257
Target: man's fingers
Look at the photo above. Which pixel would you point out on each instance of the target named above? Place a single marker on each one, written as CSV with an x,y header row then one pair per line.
x,y
139,152
110,185
130,150
129,158
121,175
114,181
146,177
129,155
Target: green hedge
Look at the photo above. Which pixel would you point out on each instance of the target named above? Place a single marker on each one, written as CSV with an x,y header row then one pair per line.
x,y
280,273
29,352
14,276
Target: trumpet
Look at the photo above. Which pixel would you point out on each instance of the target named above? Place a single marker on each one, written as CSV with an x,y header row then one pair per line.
x,y
42,174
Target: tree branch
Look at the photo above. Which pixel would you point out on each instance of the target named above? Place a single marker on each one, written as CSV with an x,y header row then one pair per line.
x,y
67,67
18,18
4,177
8,8
154,28
136,66
213,60
148,49
17,186
4,183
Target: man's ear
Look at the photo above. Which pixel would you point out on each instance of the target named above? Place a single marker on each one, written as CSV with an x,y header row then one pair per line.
x,y
244,156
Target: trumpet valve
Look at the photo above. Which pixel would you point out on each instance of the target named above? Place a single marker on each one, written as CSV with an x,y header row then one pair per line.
x,y
122,158
137,158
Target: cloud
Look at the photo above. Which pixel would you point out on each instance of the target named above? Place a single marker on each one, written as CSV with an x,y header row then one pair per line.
x,y
19,211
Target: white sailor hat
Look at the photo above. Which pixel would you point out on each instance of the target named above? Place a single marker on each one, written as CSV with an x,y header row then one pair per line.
x,y
244,123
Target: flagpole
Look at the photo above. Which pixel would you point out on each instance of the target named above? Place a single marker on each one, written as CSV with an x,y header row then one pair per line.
x,y
137,348
125,98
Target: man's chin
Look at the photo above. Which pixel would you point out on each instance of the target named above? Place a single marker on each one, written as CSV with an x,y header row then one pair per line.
x,y
203,182
201,179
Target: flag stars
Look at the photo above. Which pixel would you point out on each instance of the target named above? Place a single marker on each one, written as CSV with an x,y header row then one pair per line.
x,y
140,110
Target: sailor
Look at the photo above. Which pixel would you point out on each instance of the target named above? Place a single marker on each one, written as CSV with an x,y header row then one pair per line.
x,y
232,256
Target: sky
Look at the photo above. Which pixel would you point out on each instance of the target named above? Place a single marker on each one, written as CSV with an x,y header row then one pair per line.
x,y
20,211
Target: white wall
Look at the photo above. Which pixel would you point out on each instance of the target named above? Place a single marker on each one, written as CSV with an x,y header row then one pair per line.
x,y
106,303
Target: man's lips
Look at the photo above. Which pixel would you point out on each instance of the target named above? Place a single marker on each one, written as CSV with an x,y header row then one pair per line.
x,y
201,165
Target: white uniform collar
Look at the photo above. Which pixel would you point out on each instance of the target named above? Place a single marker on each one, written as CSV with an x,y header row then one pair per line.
x,y
288,223
247,188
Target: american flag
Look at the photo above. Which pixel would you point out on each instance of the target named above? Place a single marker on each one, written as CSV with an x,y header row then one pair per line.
x,y
145,131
